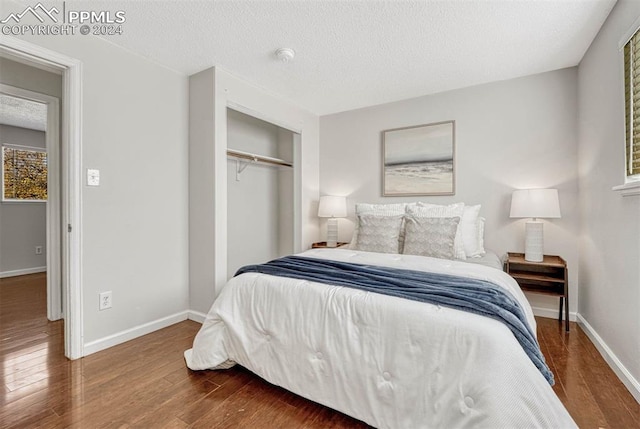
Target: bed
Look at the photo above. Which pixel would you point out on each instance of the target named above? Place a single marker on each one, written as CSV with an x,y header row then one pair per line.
x,y
388,361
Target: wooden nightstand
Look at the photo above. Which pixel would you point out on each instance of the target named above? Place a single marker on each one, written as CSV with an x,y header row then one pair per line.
x,y
548,277
323,245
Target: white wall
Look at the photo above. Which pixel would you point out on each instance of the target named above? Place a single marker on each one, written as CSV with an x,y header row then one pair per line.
x,y
135,225
254,201
211,92
610,232
23,225
519,133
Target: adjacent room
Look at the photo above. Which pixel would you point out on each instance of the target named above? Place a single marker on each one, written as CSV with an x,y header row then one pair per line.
x,y
390,214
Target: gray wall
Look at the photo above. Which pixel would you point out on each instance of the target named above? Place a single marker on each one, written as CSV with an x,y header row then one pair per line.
x,y
202,180
287,141
519,133
23,225
610,233
31,78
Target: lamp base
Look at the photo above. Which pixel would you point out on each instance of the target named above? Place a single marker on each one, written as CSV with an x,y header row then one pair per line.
x,y
332,232
534,241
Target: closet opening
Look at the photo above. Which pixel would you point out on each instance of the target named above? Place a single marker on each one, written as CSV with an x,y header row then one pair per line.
x,y
260,190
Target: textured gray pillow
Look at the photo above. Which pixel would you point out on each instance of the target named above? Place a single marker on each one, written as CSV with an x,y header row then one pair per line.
x,y
430,236
378,233
452,210
378,210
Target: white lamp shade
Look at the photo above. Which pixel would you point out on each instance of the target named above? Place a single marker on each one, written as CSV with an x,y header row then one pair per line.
x,y
535,203
332,206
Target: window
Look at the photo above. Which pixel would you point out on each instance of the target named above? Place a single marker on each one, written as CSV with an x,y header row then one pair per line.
x,y
632,104
24,174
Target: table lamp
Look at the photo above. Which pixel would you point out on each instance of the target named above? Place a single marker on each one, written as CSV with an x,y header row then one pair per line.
x,y
332,207
536,204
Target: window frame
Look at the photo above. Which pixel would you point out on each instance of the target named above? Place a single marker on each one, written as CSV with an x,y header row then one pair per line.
x,y
630,180
24,148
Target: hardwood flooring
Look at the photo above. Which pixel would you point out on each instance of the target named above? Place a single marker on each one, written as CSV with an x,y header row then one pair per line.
x,y
144,383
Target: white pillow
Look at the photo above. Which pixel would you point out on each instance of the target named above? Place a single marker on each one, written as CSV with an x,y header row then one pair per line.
x,y
430,236
378,233
438,210
480,231
435,210
381,209
469,231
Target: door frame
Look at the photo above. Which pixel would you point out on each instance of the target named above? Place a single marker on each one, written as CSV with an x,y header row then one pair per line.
x,y
70,225
53,220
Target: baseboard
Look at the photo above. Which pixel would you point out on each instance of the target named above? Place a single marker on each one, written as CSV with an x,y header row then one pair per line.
x,y
551,313
197,316
130,334
22,272
621,371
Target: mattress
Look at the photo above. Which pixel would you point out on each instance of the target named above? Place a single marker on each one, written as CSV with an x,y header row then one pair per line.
x,y
391,362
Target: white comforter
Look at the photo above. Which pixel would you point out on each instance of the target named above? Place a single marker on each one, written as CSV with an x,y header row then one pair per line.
x,y
391,362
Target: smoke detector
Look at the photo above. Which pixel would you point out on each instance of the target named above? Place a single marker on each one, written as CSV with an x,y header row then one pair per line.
x,y
285,54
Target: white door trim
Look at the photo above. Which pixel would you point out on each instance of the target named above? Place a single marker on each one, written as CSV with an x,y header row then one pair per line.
x,y
54,249
71,195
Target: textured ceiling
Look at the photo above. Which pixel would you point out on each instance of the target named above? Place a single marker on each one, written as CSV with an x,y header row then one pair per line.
x,y
22,113
355,53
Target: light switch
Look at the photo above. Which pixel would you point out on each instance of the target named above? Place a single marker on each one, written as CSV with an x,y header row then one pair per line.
x,y
93,177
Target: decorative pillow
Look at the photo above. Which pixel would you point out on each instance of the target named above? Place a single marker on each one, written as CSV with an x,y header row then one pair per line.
x,y
438,211
378,210
469,231
378,233
430,236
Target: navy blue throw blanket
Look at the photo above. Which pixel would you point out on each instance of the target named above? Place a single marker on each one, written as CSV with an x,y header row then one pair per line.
x,y
475,296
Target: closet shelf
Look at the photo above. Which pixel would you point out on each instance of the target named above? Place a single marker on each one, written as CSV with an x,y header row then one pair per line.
x,y
257,158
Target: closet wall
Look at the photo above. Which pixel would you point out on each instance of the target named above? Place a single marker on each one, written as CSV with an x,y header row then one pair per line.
x,y
212,93
260,198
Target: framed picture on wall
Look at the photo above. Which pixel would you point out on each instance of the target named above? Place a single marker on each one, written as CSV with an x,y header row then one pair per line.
x,y
419,160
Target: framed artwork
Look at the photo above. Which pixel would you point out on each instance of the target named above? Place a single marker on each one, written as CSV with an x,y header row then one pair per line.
x,y
419,160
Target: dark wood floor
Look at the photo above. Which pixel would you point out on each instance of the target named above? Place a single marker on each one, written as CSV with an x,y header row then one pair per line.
x,y
144,383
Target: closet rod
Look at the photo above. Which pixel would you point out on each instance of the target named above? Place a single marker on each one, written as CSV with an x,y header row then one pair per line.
x,y
258,158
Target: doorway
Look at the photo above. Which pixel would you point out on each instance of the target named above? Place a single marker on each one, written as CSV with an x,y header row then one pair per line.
x,y
64,220
30,206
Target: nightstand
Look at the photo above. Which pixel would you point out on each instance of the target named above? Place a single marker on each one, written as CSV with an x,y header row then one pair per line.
x,y
323,245
548,277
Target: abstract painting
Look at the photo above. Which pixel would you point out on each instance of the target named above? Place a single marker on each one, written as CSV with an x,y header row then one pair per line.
x,y
419,160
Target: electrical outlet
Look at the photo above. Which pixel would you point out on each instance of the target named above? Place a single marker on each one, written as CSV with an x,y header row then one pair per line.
x,y
105,300
93,177
38,250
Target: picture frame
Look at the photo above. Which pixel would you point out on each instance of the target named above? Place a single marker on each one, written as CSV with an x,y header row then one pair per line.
x,y
419,160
